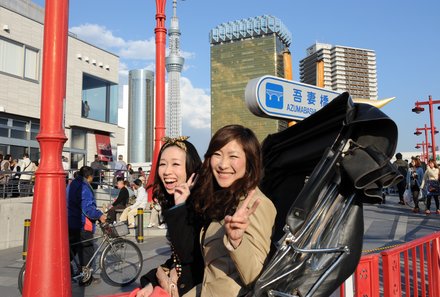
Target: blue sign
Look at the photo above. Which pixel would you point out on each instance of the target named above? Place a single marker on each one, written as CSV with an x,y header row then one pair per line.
x,y
274,97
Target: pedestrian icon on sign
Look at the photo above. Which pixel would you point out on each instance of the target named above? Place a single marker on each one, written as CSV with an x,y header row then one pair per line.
x,y
274,96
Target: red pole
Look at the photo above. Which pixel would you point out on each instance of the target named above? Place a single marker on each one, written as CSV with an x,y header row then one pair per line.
x,y
431,118
427,147
47,265
161,33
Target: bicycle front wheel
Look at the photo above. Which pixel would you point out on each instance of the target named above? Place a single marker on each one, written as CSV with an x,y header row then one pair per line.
x,y
121,262
21,278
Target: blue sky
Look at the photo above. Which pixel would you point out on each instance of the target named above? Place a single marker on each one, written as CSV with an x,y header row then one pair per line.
x,y
404,34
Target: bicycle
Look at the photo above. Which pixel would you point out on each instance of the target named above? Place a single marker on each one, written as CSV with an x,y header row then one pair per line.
x,y
120,261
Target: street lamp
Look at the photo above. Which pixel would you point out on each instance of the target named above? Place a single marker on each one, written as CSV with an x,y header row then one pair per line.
x,y
47,263
424,146
159,129
418,109
426,129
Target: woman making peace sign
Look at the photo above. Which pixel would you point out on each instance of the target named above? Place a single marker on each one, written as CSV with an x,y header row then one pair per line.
x,y
238,218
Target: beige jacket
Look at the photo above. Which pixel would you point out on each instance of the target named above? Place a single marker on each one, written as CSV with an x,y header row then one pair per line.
x,y
229,271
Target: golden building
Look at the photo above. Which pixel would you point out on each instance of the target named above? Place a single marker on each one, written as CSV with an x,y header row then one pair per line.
x,y
240,51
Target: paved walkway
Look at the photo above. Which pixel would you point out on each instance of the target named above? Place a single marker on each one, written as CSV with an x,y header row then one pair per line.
x,y
385,225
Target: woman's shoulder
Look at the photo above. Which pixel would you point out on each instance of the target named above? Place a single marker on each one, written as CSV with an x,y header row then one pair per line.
x,y
264,200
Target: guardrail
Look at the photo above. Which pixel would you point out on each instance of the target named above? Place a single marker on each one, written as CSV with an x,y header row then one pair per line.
x,y
21,184
411,269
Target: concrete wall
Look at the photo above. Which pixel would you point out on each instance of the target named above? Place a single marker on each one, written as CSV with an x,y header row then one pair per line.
x,y
13,212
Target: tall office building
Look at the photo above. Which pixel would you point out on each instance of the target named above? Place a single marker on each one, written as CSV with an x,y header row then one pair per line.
x,y
240,51
174,63
341,68
140,116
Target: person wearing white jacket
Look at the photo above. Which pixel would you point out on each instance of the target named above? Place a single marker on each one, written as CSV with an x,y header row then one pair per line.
x,y
141,202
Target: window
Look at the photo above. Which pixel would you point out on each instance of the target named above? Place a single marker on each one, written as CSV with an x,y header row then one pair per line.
x,y
18,129
35,129
99,100
77,160
19,60
31,64
78,140
11,57
4,129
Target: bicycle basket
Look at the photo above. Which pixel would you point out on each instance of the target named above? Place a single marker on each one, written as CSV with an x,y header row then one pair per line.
x,y
117,229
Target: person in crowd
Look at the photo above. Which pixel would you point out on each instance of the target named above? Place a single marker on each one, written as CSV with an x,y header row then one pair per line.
x,y
120,202
156,215
15,168
142,176
178,161
98,167
431,182
120,168
141,202
238,218
82,213
5,169
402,167
27,168
130,173
414,181
6,162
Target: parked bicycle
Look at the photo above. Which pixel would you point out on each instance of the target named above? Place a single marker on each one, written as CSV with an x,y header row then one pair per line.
x,y
120,260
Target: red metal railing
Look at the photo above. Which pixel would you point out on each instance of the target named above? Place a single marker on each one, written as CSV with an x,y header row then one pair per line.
x,y
411,269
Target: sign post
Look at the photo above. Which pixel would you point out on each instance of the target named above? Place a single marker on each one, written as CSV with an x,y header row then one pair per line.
x,y
274,97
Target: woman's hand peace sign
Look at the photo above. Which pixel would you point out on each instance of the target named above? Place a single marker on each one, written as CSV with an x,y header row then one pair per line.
x,y
182,192
237,224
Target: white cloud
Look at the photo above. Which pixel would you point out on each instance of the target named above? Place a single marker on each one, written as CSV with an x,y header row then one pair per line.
x,y
123,71
139,49
98,35
196,105
126,49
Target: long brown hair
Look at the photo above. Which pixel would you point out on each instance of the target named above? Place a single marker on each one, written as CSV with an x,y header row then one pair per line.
x,y
192,165
214,202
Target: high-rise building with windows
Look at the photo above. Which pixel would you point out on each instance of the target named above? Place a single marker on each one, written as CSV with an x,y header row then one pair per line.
x,y
91,103
240,51
174,64
341,68
140,116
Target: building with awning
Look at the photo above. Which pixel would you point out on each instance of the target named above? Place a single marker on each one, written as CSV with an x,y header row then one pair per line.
x,y
92,90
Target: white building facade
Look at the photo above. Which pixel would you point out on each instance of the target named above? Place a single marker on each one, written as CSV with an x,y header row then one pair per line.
x,y
91,107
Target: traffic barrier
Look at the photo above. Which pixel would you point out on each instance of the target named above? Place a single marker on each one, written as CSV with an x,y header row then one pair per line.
x,y
411,269
140,225
27,226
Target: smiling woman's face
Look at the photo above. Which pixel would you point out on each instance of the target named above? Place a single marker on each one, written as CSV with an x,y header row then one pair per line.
x,y
228,164
172,168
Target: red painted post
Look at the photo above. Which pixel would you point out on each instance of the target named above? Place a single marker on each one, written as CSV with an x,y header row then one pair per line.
x,y
435,257
367,276
159,129
391,275
431,118
427,145
47,265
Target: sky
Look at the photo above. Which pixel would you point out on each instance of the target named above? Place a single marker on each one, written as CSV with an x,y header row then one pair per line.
x,y
404,34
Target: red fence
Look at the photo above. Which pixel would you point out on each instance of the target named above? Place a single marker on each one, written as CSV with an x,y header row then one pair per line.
x,y
411,269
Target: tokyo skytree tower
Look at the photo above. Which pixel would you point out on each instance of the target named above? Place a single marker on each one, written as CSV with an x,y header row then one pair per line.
x,y
174,64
